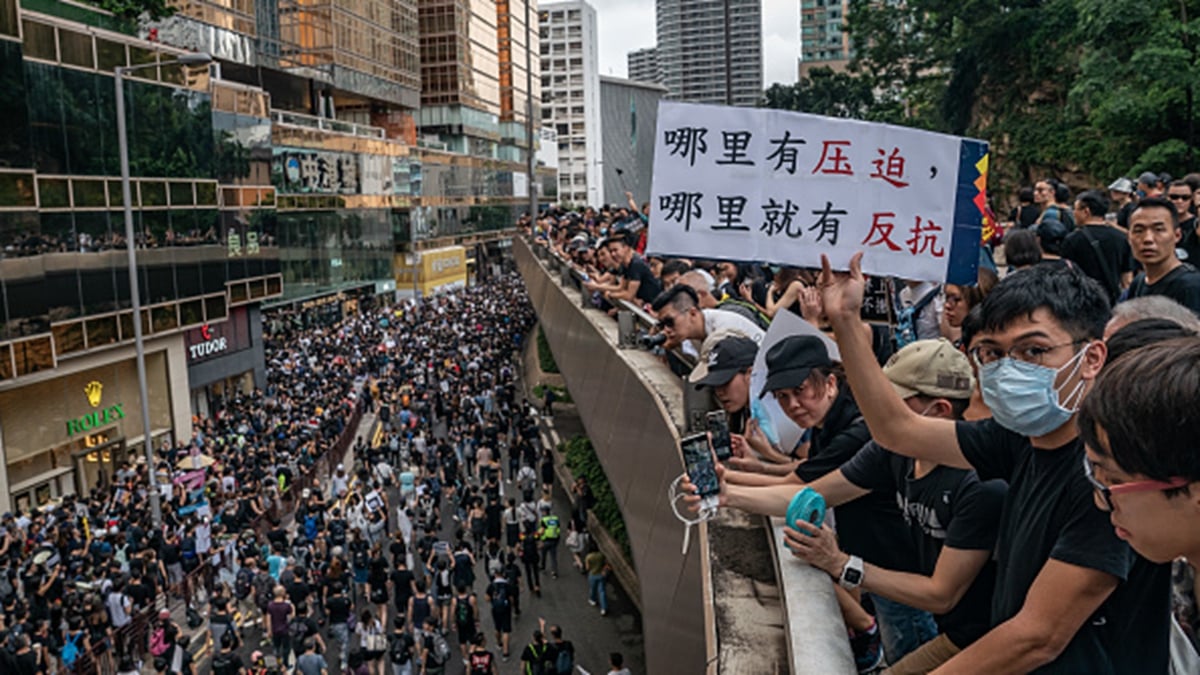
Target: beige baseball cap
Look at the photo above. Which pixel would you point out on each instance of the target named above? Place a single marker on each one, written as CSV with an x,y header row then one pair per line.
x,y
930,368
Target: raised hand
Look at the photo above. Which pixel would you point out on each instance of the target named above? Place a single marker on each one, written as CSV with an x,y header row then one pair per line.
x,y
842,292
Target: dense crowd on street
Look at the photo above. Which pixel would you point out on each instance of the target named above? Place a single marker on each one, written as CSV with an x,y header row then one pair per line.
x,y
1010,463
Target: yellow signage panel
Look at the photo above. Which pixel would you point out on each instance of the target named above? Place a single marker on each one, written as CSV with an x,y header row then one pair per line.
x,y
438,270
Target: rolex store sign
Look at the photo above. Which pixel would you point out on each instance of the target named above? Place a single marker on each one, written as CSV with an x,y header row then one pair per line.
x,y
102,415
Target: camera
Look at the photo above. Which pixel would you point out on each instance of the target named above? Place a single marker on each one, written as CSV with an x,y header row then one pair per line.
x,y
647,341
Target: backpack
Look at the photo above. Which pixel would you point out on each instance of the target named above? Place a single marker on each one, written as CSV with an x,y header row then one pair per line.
x,y
400,651
537,666
564,662
264,585
462,612
222,663
297,631
337,532
243,584
440,653
905,332
494,564
70,650
310,527
500,600
194,620
158,643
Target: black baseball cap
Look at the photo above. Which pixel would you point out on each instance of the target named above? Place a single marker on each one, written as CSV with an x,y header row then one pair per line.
x,y
791,360
727,358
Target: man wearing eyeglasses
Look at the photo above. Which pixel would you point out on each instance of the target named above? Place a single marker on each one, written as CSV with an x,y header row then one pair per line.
x,y
1154,235
1146,473
1070,596
1181,196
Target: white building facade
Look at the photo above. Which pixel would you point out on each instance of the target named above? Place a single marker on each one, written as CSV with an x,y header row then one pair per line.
x,y
571,98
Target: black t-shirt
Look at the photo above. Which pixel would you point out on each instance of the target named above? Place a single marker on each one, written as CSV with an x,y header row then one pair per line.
x,y
402,586
1189,243
649,286
1181,284
338,609
1114,247
1050,512
871,526
945,507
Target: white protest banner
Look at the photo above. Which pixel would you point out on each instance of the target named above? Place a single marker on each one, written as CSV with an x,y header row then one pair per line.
x,y
781,187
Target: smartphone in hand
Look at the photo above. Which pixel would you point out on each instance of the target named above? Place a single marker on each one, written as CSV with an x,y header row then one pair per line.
x,y
701,469
718,427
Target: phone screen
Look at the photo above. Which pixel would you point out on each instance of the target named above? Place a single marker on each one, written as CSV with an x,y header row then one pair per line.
x,y
718,427
698,460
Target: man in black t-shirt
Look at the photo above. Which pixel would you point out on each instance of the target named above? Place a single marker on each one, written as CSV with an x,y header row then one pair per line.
x,y
1101,251
1070,596
638,283
1153,235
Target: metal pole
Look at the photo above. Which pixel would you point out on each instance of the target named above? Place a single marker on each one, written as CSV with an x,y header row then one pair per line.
x,y
530,164
135,295
728,60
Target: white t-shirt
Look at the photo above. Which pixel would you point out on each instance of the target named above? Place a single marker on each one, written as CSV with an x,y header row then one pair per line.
x,y
929,319
720,319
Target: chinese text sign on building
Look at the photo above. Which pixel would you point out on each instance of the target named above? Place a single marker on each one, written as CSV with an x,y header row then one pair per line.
x,y
784,188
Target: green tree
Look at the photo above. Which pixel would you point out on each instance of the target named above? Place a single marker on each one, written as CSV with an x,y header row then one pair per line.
x,y
824,92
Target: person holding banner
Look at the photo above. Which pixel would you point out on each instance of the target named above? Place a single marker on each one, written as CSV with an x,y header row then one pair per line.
x,y
1071,597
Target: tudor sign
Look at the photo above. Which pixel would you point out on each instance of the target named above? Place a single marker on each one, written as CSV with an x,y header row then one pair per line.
x,y
210,345
214,340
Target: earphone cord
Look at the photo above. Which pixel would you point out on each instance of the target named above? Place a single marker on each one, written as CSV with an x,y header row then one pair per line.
x,y
705,514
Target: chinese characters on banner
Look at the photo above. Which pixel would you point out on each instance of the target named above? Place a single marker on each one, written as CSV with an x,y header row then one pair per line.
x,y
784,188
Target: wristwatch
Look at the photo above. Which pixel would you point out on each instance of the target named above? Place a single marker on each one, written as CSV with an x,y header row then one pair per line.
x,y
852,573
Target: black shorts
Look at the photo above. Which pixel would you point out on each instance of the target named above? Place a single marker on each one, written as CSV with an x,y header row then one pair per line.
x,y
503,621
466,633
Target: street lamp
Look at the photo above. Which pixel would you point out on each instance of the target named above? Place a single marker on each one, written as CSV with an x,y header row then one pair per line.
x,y
131,250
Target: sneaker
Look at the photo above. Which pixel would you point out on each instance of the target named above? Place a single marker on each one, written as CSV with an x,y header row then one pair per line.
x,y
592,603
604,612
868,650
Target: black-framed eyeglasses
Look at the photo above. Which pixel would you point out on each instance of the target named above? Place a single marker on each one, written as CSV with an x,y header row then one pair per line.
x,y
1105,492
1185,198
1035,354
667,322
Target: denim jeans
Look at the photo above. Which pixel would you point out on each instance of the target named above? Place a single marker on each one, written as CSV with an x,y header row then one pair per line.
x,y
902,628
550,555
597,593
341,633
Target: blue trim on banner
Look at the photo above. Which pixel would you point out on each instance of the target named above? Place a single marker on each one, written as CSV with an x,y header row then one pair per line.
x,y
963,266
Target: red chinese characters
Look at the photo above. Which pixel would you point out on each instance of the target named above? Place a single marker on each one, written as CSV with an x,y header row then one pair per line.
x,y
890,168
834,160
881,231
924,239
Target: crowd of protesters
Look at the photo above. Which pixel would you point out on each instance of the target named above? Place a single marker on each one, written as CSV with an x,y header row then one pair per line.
x,y
1010,463
378,568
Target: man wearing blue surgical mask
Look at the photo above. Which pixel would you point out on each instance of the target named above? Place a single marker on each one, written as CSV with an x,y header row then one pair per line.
x,y
1070,596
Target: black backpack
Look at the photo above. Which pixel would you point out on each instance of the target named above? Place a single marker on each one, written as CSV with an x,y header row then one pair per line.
x,y
400,649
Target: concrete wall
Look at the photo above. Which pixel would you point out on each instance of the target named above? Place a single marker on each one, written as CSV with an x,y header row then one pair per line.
x,y
628,402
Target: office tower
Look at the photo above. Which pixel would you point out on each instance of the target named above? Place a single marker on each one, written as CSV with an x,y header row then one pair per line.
x,y
823,43
629,114
710,51
571,98
643,65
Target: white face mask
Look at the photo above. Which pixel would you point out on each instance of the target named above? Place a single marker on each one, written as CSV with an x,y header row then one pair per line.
x,y
1023,397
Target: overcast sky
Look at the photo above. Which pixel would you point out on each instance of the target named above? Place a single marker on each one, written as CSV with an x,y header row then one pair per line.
x,y
626,25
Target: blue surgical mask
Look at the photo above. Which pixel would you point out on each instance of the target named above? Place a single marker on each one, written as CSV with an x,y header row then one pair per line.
x,y
1023,398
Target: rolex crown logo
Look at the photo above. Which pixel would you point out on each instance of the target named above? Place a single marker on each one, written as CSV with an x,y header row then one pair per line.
x,y
93,391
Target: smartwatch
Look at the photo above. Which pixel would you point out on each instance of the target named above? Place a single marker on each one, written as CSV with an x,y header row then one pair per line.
x,y
852,573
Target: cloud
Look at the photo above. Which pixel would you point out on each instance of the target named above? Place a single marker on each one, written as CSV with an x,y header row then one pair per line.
x,y
628,25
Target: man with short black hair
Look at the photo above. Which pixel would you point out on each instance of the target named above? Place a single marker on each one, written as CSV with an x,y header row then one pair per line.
x,y
1153,235
1070,596
310,662
682,321
1101,251
638,283
1181,194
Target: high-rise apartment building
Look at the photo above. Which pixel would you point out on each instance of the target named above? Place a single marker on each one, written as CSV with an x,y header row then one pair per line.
x,y
710,51
518,41
571,98
643,65
460,75
823,43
